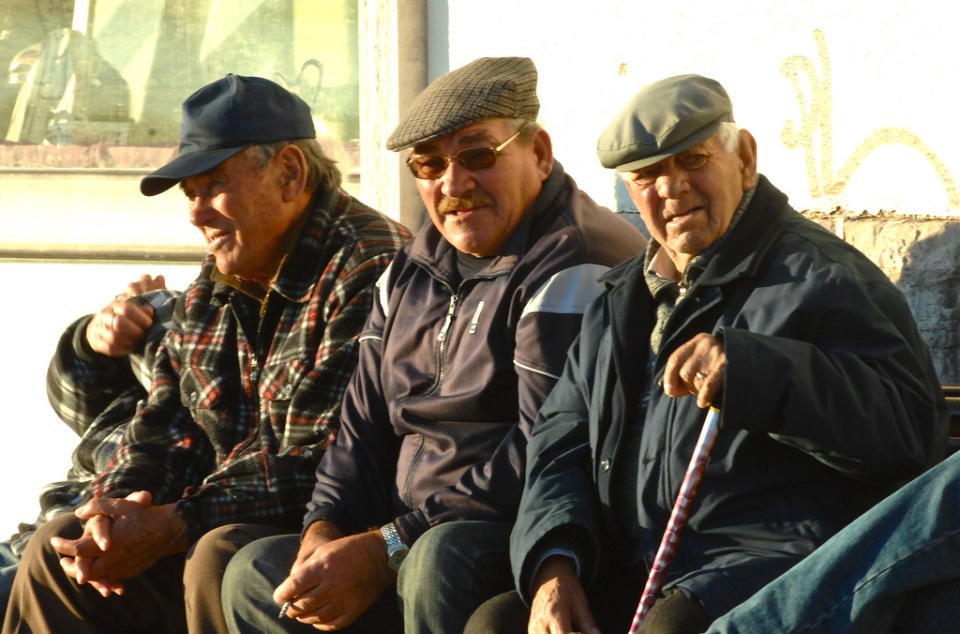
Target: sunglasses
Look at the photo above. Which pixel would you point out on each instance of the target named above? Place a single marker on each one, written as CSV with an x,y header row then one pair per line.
x,y
432,166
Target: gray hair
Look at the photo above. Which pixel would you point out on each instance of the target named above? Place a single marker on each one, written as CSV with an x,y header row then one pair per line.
x,y
728,134
526,127
322,171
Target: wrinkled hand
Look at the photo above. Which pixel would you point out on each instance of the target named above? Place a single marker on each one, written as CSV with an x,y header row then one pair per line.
x,y
697,367
117,329
121,539
560,604
333,581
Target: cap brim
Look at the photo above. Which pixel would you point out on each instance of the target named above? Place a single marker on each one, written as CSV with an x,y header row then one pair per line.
x,y
184,166
699,136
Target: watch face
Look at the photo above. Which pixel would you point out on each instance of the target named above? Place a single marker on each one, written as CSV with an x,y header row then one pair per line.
x,y
396,558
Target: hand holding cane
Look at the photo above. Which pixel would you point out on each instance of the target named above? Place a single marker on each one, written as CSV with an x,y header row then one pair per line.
x,y
678,516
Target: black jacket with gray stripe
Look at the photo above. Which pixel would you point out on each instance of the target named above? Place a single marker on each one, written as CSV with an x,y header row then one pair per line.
x,y
452,372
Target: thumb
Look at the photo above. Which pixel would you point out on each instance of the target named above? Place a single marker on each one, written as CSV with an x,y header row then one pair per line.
x,y
144,498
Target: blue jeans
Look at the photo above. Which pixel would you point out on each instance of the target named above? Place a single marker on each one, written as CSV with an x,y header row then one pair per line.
x,y
449,572
897,567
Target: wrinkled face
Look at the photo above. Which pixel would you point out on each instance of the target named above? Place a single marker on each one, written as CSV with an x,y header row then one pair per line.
x,y
476,211
238,208
688,200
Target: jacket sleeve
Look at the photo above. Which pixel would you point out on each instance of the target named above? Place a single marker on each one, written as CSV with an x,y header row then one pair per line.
x,y
548,324
559,494
81,382
851,385
354,479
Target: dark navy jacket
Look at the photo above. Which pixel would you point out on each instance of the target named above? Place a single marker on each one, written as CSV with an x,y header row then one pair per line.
x,y
830,400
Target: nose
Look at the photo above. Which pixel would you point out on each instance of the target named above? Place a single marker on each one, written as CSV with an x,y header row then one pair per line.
x,y
672,181
200,211
456,181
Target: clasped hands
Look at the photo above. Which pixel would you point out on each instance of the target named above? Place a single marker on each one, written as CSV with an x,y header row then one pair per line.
x,y
122,537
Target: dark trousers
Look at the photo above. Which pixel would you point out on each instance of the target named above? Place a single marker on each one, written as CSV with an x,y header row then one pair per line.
x,y
178,592
612,609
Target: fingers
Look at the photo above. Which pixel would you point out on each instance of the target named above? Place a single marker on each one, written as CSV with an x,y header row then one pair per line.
x,y
80,572
82,547
584,619
144,284
696,367
99,527
106,588
117,329
309,606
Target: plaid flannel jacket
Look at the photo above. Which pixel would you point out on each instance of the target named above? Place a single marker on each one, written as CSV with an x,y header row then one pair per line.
x,y
246,395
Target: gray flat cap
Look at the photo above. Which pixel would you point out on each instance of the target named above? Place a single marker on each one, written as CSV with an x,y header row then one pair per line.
x,y
663,119
484,88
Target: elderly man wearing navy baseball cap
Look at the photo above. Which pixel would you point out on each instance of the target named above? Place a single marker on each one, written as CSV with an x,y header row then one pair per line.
x,y
829,396
247,384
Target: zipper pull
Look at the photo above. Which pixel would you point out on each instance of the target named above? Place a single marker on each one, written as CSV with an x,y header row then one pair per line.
x,y
442,335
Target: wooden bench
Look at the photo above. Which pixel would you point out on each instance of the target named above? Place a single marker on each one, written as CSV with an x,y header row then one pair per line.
x,y
952,392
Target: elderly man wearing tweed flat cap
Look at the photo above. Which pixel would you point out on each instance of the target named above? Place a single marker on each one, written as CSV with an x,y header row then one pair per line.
x,y
467,337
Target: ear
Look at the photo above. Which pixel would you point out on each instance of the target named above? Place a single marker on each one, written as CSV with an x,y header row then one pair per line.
x,y
747,152
293,172
543,149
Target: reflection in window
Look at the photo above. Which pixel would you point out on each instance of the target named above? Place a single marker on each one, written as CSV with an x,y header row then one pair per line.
x,y
99,83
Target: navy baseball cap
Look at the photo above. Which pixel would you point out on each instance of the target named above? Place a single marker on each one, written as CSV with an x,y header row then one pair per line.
x,y
224,118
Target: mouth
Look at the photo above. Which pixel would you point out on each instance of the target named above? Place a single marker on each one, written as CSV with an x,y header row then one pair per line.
x,y
216,239
679,217
460,213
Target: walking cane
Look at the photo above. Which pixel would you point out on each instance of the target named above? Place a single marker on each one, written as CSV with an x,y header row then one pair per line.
x,y
678,516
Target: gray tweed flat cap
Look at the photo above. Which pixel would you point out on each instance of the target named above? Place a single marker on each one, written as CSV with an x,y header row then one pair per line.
x,y
484,88
663,119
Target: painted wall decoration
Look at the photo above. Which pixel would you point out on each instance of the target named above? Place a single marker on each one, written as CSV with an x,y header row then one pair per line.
x,y
816,119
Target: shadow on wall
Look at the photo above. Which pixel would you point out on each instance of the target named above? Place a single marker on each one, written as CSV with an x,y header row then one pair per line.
x,y
931,281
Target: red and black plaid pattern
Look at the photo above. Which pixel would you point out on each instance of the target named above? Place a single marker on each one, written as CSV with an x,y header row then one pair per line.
x,y
245,395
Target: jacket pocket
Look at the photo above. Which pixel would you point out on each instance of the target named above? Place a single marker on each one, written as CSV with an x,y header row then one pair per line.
x,y
206,394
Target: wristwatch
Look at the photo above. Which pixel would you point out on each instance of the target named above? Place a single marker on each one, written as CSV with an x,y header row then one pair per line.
x,y
396,549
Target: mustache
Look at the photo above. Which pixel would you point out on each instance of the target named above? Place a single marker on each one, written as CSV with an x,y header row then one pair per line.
x,y
448,204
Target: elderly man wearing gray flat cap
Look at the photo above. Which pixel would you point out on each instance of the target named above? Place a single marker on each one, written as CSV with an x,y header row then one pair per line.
x,y
467,337
247,381
828,396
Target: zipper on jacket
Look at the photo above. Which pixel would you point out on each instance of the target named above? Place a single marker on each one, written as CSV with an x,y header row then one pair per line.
x,y
442,336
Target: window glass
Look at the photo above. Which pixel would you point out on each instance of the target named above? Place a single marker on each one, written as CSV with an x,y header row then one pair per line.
x,y
99,83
